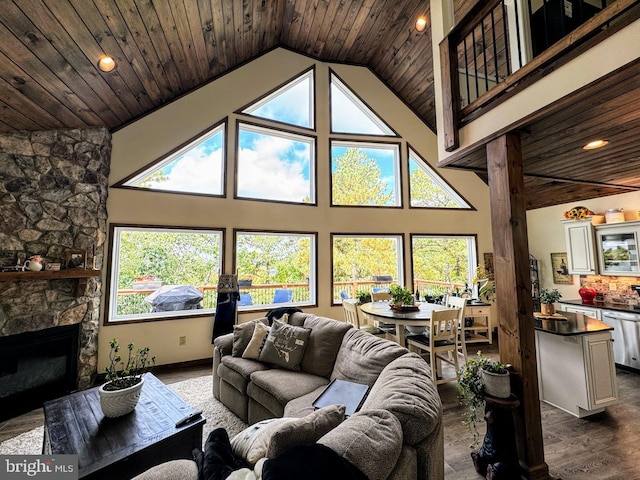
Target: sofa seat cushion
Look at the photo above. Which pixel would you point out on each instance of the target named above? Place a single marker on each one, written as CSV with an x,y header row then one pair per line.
x,y
324,343
363,356
371,440
275,387
301,406
237,371
405,388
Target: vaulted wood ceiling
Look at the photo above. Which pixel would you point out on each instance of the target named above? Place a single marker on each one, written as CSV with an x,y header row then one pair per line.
x,y
165,48
49,51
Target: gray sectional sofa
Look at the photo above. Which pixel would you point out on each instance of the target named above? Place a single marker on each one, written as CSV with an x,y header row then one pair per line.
x,y
397,434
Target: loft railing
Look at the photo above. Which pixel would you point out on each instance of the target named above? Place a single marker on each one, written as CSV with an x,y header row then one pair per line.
x,y
501,46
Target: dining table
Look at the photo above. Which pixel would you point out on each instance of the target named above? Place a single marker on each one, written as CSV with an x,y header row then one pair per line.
x,y
381,312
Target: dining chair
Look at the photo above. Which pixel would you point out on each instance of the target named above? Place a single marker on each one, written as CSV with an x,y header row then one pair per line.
x,y
380,296
459,302
352,316
439,343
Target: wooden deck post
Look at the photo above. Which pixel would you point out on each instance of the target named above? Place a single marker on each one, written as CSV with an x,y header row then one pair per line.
x,y
513,290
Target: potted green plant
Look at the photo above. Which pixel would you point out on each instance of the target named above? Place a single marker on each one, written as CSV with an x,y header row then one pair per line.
x,y
363,296
475,380
401,296
120,393
547,299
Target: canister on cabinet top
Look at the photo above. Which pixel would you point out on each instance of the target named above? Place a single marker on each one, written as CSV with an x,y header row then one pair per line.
x,y
614,215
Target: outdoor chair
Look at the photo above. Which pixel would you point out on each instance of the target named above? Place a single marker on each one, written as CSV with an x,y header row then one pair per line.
x,y
283,295
439,343
245,299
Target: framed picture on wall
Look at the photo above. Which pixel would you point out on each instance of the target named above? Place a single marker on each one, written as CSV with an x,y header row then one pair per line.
x,y
76,259
561,275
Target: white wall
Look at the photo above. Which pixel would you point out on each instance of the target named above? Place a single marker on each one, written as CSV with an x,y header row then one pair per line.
x,y
546,234
151,137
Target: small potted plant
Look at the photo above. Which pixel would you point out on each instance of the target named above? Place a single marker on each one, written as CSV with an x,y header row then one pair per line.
x,y
121,392
475,380
363,296
547,299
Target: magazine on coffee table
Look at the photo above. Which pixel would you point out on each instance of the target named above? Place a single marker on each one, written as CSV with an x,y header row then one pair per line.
x,y
343,392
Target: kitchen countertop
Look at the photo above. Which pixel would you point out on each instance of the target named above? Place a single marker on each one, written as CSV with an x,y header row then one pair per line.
x,y
575,324
607,306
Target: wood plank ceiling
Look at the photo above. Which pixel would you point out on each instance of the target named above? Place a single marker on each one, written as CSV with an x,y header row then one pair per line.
x,y
165,48
49,51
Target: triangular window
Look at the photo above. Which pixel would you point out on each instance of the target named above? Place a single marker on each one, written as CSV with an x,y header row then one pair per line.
x,y
430,190
292,103
196,167
349,114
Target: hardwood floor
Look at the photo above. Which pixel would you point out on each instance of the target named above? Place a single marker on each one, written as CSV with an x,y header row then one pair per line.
x,y
600,447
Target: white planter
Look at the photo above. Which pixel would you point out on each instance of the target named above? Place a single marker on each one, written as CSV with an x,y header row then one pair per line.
x,y
116,403
496,384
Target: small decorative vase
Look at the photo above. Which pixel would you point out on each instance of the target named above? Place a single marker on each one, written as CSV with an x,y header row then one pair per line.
x,y
496,384
116,403
547,308
587,294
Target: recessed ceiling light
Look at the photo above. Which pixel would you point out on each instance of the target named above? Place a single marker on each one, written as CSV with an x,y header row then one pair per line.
x,y
421,23
595,144
106,64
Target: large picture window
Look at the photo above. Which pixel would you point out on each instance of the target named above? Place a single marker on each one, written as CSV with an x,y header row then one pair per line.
x,y
275,269
443,264
365,262
159,272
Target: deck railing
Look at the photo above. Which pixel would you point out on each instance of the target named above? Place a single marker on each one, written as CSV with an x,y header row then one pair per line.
x,y
132,301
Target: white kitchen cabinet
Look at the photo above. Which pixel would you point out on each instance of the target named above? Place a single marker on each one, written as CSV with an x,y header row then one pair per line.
x,y
576,373
593,312
579,239
617,246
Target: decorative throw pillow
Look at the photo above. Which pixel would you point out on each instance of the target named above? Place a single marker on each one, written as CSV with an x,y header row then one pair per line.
x,y
252,443
241,337
257,341
307,429
285,345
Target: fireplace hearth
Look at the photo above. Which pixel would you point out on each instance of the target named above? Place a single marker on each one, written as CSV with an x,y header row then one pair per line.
x,y
36,367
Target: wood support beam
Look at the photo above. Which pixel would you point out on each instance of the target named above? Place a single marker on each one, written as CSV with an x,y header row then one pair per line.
x,y
513,290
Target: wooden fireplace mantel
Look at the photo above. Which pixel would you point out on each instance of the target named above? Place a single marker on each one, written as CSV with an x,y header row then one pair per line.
x,y
79,275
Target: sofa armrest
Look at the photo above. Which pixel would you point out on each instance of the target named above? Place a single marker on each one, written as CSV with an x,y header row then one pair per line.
x,y
223,345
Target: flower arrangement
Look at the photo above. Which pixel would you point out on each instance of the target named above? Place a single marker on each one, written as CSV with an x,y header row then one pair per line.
x,y
401,295
120,374
363,296
549,296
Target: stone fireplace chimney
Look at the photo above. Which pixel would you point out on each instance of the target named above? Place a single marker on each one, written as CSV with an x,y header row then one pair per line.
x,y
53,194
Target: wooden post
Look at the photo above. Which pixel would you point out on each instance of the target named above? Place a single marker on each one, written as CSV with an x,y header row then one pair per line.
x,y
513,295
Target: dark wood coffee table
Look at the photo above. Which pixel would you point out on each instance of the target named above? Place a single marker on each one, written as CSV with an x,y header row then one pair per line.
x,y
126,446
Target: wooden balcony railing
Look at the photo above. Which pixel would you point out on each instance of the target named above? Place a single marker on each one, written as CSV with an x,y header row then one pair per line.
x,y
131,302
484,59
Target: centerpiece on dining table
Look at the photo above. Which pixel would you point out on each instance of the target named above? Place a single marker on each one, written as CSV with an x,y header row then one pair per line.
x,y
402,299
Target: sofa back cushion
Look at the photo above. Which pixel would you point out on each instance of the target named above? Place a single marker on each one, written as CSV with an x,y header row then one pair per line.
x,y
323,345
405,388
363,356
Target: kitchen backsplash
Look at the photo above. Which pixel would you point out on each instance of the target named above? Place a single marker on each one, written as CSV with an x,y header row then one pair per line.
x,y
614,289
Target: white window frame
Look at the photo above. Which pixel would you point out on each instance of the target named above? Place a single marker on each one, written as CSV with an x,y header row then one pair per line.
x,y
111,316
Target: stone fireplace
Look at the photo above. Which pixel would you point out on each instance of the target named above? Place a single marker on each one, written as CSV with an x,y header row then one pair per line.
x,y
53,194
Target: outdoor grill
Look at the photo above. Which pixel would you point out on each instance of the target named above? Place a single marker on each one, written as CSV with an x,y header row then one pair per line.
x,y
171,298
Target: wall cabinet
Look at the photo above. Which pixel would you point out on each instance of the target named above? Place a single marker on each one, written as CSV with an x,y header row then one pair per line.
x,y
579,239
617,247
592,312
576,373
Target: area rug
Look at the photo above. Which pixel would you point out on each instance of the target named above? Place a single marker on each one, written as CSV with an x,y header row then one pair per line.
x,y
195,391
